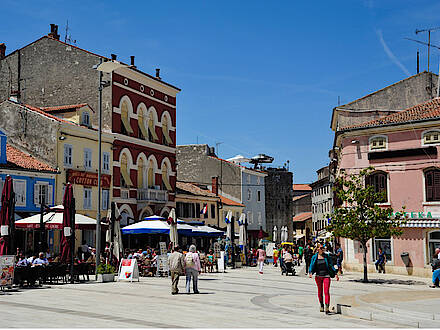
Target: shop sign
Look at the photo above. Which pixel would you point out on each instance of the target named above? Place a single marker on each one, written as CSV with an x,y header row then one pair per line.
x,y
7,264
414,215
88,178
128,270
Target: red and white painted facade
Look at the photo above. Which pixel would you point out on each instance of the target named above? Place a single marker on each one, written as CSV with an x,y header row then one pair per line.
x,y
144,97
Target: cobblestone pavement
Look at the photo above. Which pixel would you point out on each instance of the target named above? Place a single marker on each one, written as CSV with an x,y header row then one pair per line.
x,y
239,298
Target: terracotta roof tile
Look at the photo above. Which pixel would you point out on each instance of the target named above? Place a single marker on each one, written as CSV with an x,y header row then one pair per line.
x,y
230,202
70,107
20,160
299,197
302,217
301,186
194,189
427,110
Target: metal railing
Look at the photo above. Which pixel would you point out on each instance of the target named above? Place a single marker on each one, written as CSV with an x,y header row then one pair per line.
x,y
152,195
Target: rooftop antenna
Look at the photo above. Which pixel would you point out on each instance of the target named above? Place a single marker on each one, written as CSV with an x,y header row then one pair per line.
x,y
67,37
429,38
418,61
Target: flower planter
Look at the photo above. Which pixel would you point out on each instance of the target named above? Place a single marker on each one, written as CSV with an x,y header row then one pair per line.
x,y
106,278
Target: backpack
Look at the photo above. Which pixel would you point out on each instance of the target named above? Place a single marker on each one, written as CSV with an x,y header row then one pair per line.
x,y
189,260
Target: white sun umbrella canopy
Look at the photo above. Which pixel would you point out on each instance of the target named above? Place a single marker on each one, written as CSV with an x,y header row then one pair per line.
x,y
242,232
172,220
228,225
115,241
274,234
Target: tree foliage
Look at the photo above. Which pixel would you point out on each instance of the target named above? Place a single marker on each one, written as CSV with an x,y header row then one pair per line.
x,y
360,217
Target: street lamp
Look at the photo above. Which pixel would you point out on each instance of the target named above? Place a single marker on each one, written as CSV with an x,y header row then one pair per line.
x,y
107,67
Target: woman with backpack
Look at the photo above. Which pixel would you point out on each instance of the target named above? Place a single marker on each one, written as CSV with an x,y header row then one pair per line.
x,y
322,265
192,269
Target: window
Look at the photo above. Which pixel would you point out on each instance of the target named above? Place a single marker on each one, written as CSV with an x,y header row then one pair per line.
x,y
143,132
106,162
140,174
125,119
431,137
68,150
378,143
85,118
250,218
125,174
87,158
152,136
258,180
385,245
249,179
379,181
212,211
87,198
166,131
43,193
259,219
20,192
432,185
433,242
259,196
105,199
249,194
151,180
165,178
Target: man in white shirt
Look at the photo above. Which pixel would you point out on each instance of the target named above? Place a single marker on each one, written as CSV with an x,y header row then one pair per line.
x,y
41,260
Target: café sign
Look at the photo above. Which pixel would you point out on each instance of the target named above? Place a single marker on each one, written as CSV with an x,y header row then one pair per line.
x,y
88,178
414,215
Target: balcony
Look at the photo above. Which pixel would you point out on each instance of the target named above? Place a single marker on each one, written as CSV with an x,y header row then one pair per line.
x,y
152,195
125,193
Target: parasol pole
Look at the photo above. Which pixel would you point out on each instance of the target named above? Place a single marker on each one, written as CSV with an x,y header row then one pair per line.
x,y
72,237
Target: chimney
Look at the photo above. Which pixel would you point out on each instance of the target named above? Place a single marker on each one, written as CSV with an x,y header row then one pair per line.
x,y
113,57
2,51
158,74
132,61
214,187
54,32
3,141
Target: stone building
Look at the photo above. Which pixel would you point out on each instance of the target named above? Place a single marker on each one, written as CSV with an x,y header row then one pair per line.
x,y
243,186
279,206
394,98
322,201
302,212
139,110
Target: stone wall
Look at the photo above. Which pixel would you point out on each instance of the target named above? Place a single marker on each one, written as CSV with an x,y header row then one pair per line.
x,y
30,131
50,73
278,195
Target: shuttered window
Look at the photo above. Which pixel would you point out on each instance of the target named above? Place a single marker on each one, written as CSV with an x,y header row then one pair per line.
x,y
125,118
165,179
166,133
140,174
43,192
125,174
379,181
432,185
143,132
151,128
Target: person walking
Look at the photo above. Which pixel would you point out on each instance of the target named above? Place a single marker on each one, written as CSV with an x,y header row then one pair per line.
x,y
339,257
380,262
176,265
275,256
192,269
436,269
261,257
321,265
308,254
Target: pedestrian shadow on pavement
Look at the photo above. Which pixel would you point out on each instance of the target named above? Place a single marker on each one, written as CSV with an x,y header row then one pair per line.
x,y
389,281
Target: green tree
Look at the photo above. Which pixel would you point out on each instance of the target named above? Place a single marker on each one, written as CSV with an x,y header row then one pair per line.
x,y
359,217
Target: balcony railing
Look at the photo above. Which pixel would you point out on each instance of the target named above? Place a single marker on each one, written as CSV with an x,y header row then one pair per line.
x,y
152,195
125,193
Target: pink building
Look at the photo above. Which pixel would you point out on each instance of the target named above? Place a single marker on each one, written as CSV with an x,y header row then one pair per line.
x,y
404,150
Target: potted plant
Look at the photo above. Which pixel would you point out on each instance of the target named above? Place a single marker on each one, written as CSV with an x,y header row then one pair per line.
x,y
106,273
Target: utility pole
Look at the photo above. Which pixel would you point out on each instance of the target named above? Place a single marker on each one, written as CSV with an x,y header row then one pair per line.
x,y
429,39
98,216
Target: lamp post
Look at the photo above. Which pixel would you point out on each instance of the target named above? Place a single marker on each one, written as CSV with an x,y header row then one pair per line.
x,y
107,67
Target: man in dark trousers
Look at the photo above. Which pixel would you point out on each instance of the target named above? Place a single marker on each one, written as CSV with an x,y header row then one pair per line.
x,y
308,254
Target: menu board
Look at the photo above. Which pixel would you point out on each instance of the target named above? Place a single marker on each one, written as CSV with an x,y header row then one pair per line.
x,y
7,264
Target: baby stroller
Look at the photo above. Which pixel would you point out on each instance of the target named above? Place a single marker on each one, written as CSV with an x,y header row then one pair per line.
x,y
287,268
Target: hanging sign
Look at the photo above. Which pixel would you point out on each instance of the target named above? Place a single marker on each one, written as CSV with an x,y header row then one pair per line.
x,y
128,270
88,178
7,264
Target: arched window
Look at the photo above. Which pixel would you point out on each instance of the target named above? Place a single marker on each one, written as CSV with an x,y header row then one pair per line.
x,y
143,131
432,185
166,129
379,181
125,119
431,137
152,136
151,180
433,242
165,177
125,172
140,174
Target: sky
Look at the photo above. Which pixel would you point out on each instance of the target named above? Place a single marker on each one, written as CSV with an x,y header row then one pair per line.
x,y
256,76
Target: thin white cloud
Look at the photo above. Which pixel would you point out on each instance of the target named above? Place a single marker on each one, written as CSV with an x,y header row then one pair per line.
x,y
390,53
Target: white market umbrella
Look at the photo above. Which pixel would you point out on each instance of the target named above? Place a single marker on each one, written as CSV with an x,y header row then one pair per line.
x,y
172,220
274,235
228,225
242,232
115,241
54,220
